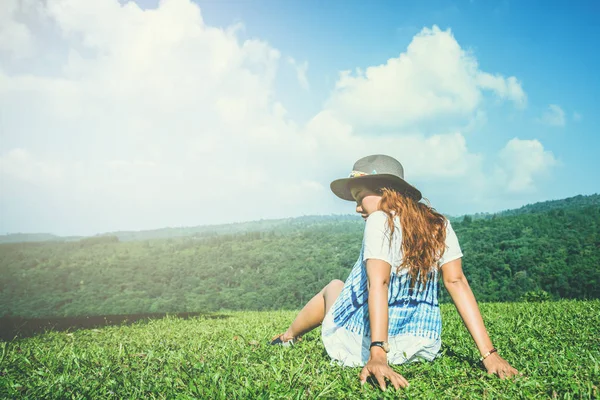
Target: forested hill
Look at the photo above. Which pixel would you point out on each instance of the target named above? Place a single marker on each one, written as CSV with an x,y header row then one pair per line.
x,y
556,251
35,237
544,206
288,225
283,225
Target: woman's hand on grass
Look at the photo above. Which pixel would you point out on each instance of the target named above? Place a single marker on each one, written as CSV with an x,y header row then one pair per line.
x,y
499,366
379,369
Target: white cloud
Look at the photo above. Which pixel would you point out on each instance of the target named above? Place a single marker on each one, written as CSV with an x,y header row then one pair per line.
x,y
152,118
521,163
149,109
16,38
19,164
435,77
554,116
437,157
301,70
508,88
478,121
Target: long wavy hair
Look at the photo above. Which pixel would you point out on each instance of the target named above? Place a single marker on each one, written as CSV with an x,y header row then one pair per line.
x,y
423,233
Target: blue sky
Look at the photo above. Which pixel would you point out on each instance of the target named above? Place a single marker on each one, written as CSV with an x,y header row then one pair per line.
x,y
547,45
139,115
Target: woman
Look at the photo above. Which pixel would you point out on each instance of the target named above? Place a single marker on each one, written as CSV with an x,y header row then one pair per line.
x,y
387,310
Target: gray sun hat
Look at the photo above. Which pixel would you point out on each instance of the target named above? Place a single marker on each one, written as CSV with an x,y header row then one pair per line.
x,y
376,171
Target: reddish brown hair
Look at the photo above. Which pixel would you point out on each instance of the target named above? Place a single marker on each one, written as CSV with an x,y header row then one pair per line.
x,y
423,233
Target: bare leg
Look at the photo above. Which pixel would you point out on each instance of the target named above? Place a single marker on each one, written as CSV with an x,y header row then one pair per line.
x,y
314,311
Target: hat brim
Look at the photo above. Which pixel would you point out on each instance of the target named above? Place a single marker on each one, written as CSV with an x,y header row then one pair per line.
x,y
341,187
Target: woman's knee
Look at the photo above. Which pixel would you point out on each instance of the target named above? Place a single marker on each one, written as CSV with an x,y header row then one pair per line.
x,y
336,284
333,288
331,293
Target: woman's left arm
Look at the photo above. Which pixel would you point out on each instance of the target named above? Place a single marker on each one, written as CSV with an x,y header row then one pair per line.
x,y
457,285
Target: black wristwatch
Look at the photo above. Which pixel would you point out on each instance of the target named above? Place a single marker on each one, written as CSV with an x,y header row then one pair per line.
x,y
384,345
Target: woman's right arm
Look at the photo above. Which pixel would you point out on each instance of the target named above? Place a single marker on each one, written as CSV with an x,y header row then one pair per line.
x,y
378,275
377,257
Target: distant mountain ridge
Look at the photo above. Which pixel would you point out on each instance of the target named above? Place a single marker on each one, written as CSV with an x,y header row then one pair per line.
x,y
292,224
36,237
578,201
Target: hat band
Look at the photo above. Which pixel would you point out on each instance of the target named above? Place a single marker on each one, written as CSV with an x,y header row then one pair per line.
x,y
356,174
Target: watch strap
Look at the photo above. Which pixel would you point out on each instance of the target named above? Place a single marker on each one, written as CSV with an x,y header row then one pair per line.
x,y
383,345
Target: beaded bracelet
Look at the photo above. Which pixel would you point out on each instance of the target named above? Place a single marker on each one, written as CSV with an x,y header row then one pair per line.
x,y
486,355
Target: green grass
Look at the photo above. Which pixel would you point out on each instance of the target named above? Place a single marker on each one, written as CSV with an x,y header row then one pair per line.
x,y
555,344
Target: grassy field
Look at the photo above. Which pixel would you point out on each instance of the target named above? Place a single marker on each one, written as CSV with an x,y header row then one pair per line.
x,y
225,356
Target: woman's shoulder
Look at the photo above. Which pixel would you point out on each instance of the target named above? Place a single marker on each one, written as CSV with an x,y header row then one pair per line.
x,y
379,220
378,215
377,223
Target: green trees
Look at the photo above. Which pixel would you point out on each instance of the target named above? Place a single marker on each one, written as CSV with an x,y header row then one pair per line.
x,y
556,251
506,258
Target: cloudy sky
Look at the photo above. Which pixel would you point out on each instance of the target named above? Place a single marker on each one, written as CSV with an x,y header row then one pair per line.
x,y
118,115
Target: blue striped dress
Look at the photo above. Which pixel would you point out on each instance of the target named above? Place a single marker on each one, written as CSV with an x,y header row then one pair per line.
x,y
415,323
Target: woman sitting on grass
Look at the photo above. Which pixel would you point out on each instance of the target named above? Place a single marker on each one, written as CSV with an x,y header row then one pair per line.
x,y
387,311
